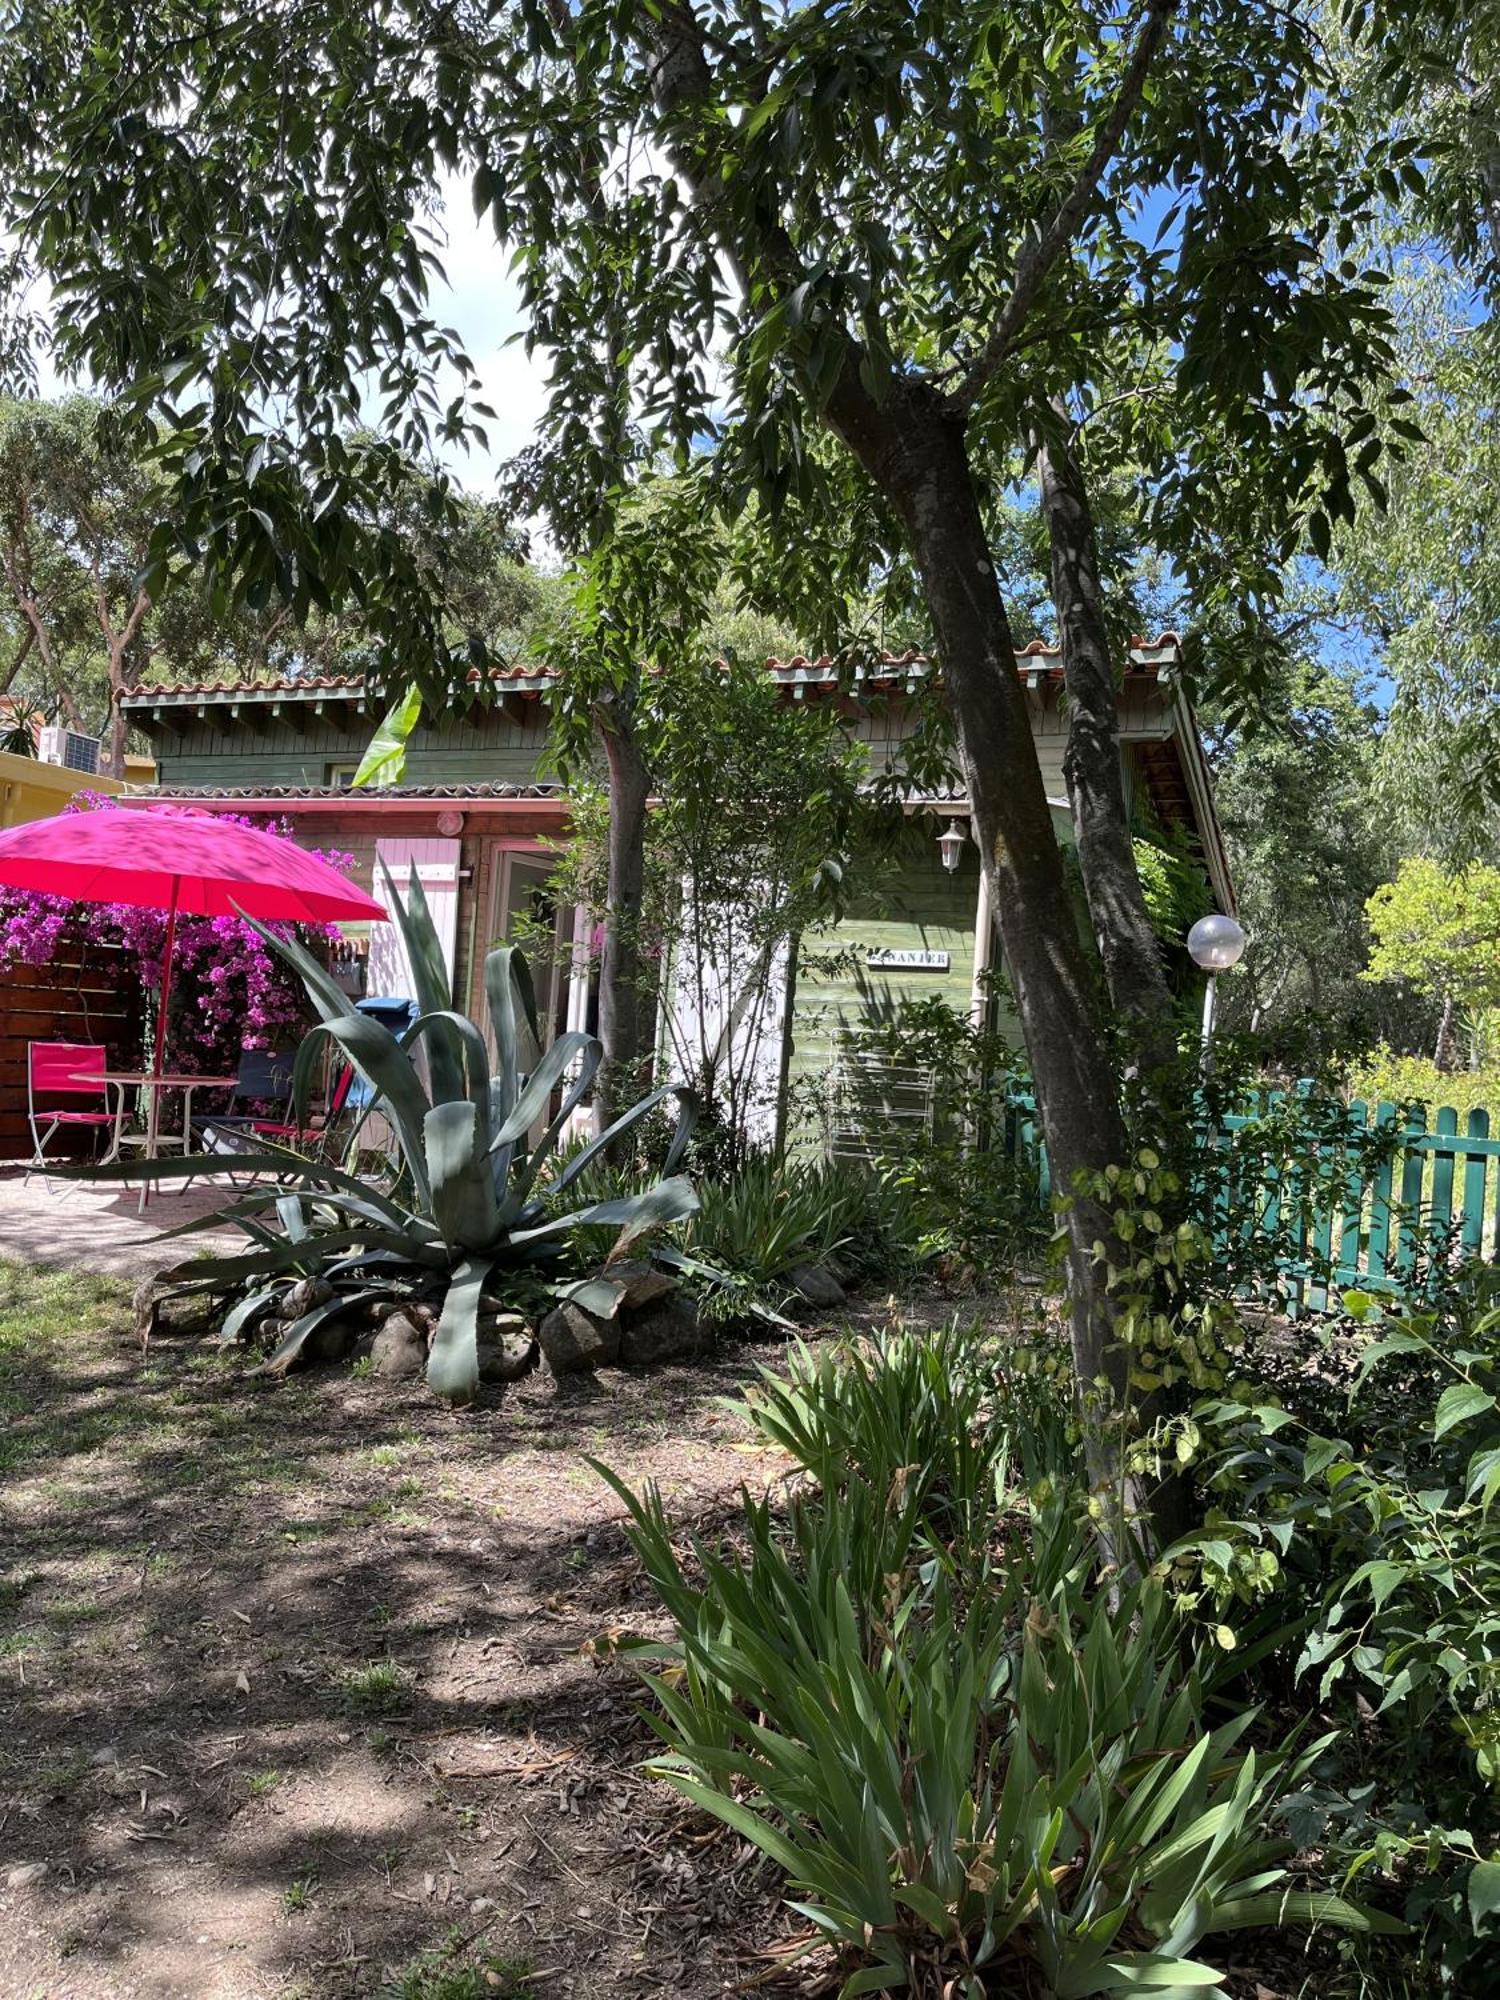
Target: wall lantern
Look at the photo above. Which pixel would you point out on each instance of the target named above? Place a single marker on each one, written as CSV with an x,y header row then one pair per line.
x,y
951,845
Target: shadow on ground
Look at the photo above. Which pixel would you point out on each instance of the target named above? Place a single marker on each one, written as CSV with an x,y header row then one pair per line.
x,y
291,1681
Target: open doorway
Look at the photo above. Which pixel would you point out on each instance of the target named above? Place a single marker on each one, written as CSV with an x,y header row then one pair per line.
x,y
526,912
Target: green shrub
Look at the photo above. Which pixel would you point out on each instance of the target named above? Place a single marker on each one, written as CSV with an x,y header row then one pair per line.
x,y
1386,1077
771,1216
969,1759
1361,1561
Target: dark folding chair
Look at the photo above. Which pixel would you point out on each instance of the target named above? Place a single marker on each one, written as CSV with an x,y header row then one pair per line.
x,y
264,1081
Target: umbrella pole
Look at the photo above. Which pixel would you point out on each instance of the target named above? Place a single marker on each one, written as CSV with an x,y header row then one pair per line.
x,y
158,1061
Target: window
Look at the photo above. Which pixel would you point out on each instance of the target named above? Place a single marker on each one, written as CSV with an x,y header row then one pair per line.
x,y
340,775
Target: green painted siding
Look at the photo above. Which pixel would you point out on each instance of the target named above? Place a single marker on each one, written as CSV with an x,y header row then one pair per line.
x,y
254,751
916,906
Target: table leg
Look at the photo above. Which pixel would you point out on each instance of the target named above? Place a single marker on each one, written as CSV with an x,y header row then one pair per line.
x,y
153,1096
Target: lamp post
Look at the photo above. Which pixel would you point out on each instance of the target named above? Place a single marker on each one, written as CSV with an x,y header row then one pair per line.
x,y
1215,944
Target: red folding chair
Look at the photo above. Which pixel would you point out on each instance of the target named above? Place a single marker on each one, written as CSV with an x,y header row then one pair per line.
x,y
69,1070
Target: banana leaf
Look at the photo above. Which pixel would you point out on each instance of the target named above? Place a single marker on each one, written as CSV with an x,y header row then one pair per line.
x,y
453,1363
385,759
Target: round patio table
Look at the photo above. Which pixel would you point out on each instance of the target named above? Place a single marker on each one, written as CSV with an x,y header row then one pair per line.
x,y
155,1084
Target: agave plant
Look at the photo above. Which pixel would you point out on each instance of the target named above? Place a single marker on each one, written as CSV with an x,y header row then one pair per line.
x,y
471,1205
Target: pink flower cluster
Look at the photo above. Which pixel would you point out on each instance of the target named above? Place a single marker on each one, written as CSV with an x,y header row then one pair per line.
x,y
228,991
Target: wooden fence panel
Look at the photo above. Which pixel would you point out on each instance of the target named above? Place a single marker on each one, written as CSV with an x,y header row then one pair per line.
x,y
89,993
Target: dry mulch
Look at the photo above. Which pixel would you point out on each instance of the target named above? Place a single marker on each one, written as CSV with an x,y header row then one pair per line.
x,y
300,1688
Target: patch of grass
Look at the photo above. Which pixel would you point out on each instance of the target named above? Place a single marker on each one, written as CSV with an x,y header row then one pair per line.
x,y
39,1306
439,1976
380,1687
260,1784
297,1896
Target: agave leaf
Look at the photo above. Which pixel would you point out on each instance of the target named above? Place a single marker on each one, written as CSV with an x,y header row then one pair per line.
x,y
539,1086
573,1096
600,1296
245,1310
633,1214
507,985
463,1190
453,1363
470,1043
383,1064
298,1332
687,1118
431,978
292,1212
301,1257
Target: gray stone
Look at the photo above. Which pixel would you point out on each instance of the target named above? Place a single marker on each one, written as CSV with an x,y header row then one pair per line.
x,y
25,1875
302,1297
329,1342
499,1362
665,1331
816,1284
399,1350
642,1283
572,1340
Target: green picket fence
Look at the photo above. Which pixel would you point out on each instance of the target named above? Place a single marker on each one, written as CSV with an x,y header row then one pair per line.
x,y
1431,1195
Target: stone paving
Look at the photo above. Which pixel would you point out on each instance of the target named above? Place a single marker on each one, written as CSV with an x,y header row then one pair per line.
x,y
71,1224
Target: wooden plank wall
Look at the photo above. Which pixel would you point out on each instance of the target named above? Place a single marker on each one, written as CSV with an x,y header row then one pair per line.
x,y
88,994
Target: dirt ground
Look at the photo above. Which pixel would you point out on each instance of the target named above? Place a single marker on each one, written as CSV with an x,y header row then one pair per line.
x,y
297,1694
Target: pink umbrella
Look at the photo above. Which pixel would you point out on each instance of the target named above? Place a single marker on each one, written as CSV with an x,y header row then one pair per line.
x,y
188,863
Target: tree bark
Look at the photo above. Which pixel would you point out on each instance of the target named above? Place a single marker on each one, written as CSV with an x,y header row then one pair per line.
x,y
1442,1055
913,444
625,997
1128,946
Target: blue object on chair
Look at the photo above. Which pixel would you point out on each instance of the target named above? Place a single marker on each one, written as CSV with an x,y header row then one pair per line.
x,y
392,1012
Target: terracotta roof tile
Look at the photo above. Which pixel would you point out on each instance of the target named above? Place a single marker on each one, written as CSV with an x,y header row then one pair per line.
x,y
355,684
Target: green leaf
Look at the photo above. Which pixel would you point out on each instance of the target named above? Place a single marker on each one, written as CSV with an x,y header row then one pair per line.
x,y
1145,1972
453,1363
385,760
1458,1404
300,1330
463,1185
1484,1893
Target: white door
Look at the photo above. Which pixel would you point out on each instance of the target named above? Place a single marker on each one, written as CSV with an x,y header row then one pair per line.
x,y
436,863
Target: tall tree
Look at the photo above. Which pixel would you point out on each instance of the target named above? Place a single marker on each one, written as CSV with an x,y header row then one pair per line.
x,y
770,217
76,515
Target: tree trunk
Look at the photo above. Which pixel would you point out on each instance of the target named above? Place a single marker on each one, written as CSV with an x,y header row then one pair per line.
x,y
1442,1055
1128,945
115,755
915,449
624,993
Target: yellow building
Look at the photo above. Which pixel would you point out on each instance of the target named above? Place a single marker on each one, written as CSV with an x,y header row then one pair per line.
x,y
32,790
